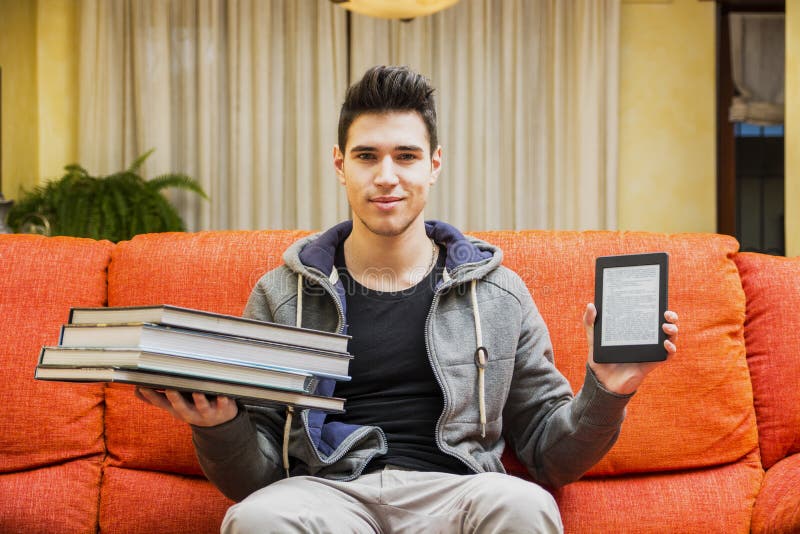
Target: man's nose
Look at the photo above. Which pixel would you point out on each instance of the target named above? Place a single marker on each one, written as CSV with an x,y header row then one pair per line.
x,y
386,172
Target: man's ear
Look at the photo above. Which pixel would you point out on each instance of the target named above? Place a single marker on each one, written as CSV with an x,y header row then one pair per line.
x,y
338,163
436,164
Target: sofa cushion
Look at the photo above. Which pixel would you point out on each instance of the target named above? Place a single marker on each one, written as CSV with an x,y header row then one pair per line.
x,y
696,410
60,499
213,271
716,499
777,508
40,279
772,335
145,501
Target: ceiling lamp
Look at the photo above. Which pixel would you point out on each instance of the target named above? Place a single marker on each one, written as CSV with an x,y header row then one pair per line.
x,y
395,9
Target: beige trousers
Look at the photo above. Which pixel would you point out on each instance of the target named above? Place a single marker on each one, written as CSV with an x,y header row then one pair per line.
x,y
397,500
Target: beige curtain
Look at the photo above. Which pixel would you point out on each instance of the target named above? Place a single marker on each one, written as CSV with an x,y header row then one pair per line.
x,y
244,96
241,95
527,106
757,66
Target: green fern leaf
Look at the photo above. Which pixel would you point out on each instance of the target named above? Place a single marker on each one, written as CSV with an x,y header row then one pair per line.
x,y
179,181
138,162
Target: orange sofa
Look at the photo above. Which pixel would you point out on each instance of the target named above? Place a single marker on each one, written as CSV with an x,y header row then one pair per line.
x,y
710,443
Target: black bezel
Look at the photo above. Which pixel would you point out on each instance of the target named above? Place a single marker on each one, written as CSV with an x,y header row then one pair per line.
x,y
630,353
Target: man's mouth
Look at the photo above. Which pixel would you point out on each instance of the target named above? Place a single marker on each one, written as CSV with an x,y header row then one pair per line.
x,y
386,202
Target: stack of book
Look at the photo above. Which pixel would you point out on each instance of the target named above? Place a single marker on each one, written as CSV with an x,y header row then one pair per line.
x,y
168,347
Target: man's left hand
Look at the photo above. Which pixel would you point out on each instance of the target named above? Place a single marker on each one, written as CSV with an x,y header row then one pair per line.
x,y
625,378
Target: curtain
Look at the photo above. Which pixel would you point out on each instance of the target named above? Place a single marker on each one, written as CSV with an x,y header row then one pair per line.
x,y
757,67
527,102
241,95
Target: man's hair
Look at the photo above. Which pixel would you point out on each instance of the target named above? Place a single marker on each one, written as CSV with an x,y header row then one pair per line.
x,y
385,89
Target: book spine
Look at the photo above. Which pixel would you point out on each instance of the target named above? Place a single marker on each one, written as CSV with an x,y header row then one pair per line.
x,y
41,357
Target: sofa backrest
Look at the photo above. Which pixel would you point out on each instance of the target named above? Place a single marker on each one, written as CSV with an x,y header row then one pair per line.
x,y
213,271
695,410
772,335
53,432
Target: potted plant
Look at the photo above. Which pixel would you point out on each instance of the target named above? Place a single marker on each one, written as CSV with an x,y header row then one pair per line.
x,y
114,207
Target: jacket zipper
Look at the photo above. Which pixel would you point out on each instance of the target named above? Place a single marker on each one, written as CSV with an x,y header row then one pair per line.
x,y
348,442
439,441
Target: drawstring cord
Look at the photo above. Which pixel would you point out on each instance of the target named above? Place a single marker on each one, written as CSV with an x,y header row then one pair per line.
x,y
286,428
481,356
290,409
298,321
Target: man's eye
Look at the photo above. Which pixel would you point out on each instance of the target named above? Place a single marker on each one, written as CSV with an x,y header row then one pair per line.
x,y
365,156
407,157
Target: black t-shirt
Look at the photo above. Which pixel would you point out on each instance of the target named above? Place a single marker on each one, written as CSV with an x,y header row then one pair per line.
x,y
392,383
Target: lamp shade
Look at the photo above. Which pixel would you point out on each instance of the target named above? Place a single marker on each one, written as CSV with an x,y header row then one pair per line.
x,y
395,9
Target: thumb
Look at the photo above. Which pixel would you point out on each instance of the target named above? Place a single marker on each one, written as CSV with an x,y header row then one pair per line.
x,y
589,317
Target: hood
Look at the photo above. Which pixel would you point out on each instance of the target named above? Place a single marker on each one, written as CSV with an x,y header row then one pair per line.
x,y
466,257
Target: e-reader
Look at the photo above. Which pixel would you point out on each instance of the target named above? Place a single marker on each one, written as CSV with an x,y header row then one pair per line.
x,y
630,294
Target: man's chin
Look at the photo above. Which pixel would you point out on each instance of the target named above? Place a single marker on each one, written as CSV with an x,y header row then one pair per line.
x,y
387,228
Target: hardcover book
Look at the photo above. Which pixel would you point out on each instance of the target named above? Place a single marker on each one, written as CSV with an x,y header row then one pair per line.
x,y
182,342
189,365
246,394
211,322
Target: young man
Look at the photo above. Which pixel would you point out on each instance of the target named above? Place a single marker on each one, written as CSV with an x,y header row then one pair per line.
x,y
452,362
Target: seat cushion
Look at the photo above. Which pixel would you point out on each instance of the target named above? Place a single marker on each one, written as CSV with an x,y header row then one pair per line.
x,y
44,423
777,508
772,335
60,499
695,410
146,501
717,499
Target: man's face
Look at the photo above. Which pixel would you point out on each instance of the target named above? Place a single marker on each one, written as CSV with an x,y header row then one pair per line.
x,y
387,170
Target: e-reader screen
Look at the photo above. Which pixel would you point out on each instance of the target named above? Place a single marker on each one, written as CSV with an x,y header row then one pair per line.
x,y
631,298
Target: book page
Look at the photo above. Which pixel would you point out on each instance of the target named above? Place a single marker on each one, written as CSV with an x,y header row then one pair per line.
x,y
630,305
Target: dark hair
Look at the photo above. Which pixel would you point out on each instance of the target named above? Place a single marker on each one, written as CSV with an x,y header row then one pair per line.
x,y
384,89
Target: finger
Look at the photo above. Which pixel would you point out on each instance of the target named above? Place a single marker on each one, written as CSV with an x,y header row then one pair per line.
x,y
589,316
670,329
202,404
153,397
137,391
670,346
671,316
179,404
224,403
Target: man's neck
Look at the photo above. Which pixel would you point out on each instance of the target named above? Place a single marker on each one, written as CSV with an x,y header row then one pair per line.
x,y
388,263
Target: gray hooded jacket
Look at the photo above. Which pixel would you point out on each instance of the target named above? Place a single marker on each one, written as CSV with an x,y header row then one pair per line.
x,y
490,352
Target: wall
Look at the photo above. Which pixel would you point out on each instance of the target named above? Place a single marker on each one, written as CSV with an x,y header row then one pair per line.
x,y
792,135
39,58
667,158
57,67
19,105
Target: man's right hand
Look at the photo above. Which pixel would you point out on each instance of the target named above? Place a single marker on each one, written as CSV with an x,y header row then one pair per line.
x,y
199,412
